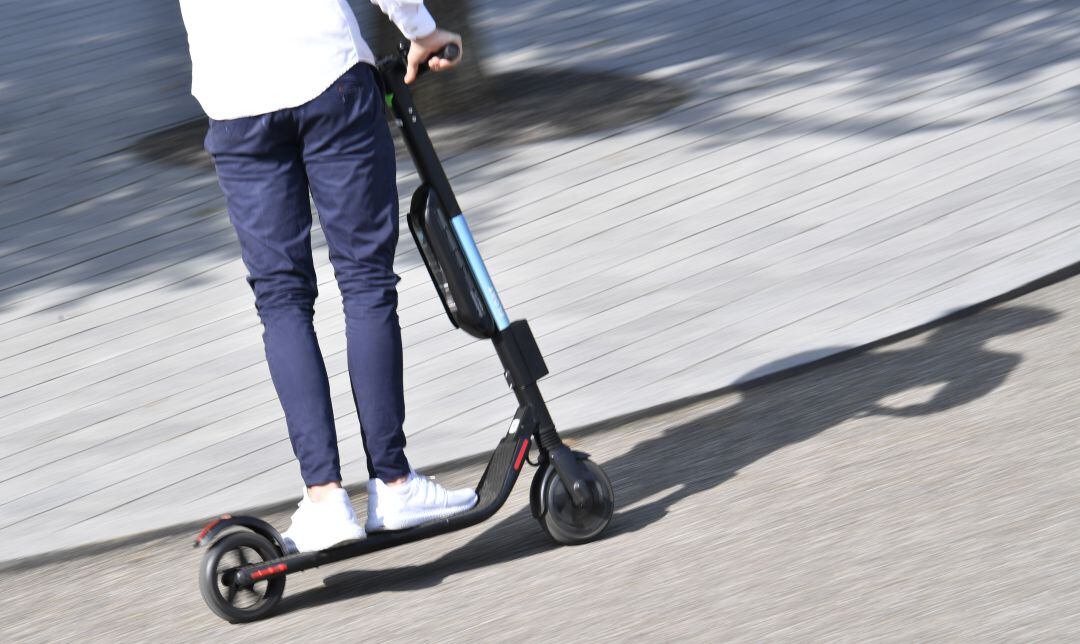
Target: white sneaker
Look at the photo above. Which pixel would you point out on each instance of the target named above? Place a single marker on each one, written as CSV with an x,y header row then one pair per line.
x,y
317,526
418,500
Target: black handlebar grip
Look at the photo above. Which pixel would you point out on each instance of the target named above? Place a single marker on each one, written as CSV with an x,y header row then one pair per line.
x,y
449,52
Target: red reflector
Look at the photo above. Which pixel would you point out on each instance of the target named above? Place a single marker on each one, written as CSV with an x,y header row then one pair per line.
x,y
266,572
521,454
210,526
207,529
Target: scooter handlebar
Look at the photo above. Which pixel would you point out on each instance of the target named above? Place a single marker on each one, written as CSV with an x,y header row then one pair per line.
x,y
399,61
449,52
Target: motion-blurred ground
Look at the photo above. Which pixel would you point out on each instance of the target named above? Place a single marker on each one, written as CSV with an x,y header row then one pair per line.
x,y
923,491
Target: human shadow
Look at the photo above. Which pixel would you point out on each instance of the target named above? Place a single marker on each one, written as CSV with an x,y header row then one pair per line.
x,y
700,454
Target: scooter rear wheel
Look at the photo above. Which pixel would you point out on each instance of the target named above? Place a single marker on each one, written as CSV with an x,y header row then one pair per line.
x,y
567,523
217,578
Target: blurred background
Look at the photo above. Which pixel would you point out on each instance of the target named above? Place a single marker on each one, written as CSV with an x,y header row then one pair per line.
x,y
680,196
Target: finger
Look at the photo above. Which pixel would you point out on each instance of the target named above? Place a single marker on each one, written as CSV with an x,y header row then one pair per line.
x,y
442,64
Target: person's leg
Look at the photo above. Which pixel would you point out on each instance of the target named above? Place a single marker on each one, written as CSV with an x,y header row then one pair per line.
x,y
261,173
349,157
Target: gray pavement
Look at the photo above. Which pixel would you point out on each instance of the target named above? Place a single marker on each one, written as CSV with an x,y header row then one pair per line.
x,y
922,491
822,174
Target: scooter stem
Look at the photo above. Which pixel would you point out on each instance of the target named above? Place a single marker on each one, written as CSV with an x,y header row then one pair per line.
x,y
399,97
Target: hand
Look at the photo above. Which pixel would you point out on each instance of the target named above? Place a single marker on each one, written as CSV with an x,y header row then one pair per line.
x,y
422,48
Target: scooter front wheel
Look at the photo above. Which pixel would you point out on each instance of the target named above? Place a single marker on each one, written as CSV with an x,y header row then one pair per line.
x,y
561,519
217,578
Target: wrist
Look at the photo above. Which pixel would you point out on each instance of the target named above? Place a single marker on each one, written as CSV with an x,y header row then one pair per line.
x,y
430,40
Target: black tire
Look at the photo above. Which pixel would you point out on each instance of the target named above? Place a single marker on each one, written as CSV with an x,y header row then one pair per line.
x,y
229,601
565,523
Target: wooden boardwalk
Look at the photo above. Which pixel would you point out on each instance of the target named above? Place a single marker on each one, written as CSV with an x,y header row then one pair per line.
x,y
840,171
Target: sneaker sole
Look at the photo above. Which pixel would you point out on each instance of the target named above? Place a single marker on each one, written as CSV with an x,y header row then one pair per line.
x,y
335,543
417,519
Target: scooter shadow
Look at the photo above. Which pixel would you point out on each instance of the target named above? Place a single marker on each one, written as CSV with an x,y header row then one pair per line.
x,y
700,454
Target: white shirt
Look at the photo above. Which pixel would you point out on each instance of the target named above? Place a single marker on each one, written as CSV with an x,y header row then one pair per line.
x,y
252,57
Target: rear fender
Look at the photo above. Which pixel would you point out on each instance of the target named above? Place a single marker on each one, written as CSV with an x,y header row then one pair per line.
x,y
255,524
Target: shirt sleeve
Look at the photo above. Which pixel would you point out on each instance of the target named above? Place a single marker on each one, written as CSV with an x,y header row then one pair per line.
x,y
410,16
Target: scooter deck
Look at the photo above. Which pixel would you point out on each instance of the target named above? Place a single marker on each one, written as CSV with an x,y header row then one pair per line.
x,y
488,493
494,487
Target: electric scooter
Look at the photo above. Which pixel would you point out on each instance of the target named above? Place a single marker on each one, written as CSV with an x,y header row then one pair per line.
x,y
242,576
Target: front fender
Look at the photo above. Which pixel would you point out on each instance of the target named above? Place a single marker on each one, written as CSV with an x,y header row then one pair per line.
x,y
254,524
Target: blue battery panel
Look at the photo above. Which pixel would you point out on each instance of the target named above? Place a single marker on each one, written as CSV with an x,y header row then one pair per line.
x,y
480,273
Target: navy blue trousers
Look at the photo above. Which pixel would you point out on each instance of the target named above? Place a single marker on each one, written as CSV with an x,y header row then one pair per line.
x,y
338,147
